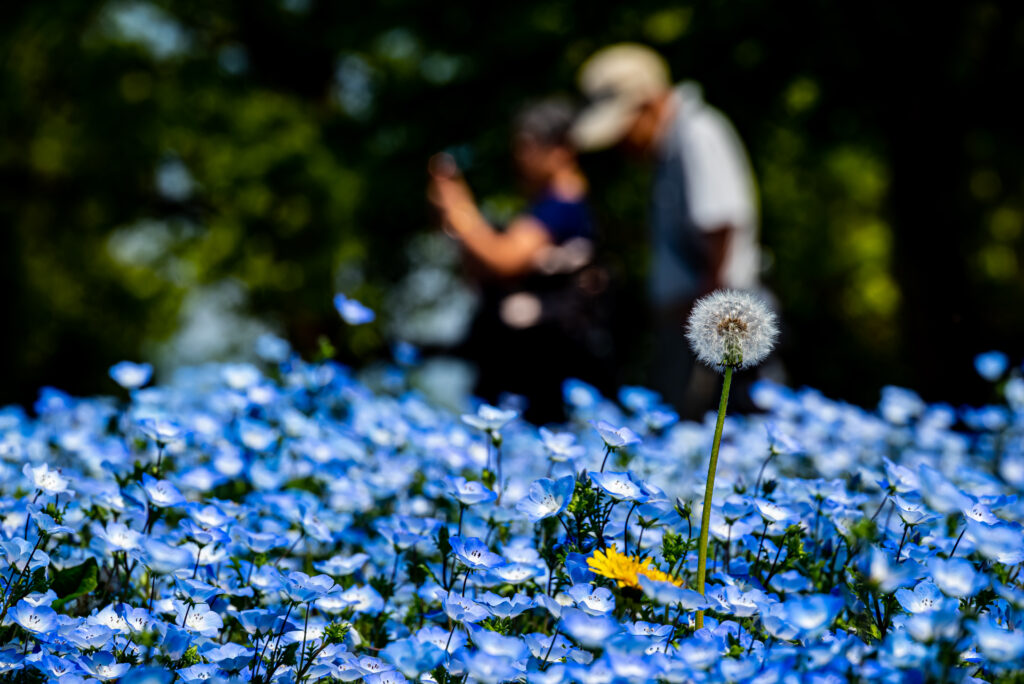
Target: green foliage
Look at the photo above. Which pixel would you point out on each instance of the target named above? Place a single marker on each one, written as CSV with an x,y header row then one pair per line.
x,y
336,632
893,213
70,583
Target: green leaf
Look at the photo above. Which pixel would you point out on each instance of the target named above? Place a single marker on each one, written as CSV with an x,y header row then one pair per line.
x,y
70,583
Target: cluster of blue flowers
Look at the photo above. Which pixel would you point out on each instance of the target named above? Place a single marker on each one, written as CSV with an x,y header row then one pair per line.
x,y
289,522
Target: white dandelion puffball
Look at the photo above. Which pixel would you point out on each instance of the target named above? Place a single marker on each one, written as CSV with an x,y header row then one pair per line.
x,y
731,328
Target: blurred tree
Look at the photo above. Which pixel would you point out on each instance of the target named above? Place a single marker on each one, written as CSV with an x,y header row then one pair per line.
x,y
223,168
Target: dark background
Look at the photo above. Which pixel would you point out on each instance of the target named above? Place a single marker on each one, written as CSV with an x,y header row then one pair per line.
x,y
271,153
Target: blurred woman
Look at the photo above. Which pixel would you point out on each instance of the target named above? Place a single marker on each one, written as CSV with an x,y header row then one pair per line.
x,y
537,324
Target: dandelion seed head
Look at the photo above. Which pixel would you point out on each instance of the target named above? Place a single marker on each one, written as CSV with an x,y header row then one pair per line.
x,y
731,328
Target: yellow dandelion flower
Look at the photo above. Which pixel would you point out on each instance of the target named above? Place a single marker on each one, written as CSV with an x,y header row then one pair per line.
x,y
625,569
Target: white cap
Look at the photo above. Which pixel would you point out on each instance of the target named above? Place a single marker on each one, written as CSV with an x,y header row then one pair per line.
x,y
617,80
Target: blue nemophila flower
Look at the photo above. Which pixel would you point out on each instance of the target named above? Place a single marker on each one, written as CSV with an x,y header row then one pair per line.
x,y
912,513
45,523
46,480
103,665
545,648
493,643
57,667
161,430
619,486
517,573
110,617
547,498
588,630
979,512
261,621
506,607
941,495
34,619
469,492
489,418
240,376
956,577
131,375
592,600
561,446
488,669
790,581
462,609
340,566
362,599
933,625
780,441
474,554
615,438
772,512
996,642
302,588
260,542
899,405
439,637
198,618
413,657
89,636
403,531
659,419
117,536
200,672
578,569
811,615
924,598
229,656
163,558
991,365
256,435
38,599
1003,542
352,311
161,493
194,590
20,554
734,601
638,399
886,574
272,348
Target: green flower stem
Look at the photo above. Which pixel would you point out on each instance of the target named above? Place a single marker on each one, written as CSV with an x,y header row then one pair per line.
x,y
709,490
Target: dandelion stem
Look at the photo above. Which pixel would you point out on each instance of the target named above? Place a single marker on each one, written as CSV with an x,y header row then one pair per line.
x,y
709,490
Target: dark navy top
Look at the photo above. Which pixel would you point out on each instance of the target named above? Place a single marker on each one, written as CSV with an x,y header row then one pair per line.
x,y
563,219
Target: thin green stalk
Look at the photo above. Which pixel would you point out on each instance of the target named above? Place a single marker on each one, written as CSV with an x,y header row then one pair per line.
x,y
709,490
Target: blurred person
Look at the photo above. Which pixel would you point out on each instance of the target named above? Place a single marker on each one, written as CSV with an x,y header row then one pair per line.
x,y
703,211
538,319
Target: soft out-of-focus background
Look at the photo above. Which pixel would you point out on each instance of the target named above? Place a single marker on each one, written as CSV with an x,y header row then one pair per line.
x,y
178,177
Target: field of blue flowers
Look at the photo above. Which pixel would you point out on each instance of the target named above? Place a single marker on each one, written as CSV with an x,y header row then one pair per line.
x,y
286,521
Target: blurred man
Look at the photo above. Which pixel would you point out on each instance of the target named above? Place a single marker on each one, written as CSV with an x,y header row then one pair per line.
x,y
703,212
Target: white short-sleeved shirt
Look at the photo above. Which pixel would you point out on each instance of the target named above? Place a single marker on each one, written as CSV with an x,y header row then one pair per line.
x,y
703,180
